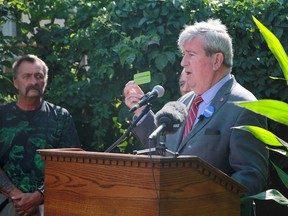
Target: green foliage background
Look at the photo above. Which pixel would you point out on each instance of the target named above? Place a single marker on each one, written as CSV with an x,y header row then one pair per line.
x,y
123,37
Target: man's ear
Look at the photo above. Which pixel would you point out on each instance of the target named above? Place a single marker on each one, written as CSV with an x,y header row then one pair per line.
x,y
218,59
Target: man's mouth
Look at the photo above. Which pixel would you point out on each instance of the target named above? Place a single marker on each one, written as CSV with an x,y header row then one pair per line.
x,y
34,88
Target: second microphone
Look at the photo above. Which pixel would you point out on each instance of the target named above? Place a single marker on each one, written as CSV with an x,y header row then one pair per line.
x,y
157,91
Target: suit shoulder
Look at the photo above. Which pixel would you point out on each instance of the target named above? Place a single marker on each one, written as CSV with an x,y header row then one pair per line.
x,y
239,93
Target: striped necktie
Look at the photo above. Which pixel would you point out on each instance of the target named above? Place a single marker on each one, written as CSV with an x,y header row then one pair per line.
x,y
192,115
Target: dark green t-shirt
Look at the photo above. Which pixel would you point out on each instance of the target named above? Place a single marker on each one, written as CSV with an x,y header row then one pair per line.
x,y
23,132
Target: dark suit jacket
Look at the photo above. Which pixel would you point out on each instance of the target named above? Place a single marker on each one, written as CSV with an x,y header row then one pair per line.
x,y
235,152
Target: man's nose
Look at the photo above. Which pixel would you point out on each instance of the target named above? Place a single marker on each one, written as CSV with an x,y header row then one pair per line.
x,y
184,61
33,80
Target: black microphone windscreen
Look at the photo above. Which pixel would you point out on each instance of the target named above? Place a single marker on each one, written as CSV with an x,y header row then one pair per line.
x,y
173,114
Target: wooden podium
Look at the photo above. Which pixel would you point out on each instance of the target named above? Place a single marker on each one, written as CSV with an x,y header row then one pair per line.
x,y
85,183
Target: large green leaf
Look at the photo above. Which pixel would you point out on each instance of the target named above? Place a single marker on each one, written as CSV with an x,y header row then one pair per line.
x,y
271,194
283,176
275,47
161,61
273,109
264,135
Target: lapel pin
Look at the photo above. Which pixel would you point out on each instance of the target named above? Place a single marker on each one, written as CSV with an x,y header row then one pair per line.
x,y
208,112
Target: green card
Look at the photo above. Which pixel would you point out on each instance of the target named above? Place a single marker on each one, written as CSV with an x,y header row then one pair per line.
x,y
143,77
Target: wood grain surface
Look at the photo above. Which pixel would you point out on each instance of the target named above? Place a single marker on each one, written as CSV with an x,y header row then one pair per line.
x,y
93,183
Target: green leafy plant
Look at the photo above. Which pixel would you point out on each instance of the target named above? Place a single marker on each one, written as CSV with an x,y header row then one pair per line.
x,y
102,44
274,110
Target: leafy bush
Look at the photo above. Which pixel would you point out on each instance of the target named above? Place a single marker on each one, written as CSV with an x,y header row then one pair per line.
x,y
104,43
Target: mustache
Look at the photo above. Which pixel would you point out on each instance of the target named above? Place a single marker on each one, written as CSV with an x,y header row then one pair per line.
x,y
36,87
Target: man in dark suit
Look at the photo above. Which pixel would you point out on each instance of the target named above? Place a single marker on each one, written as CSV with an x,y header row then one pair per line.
x,y
207,60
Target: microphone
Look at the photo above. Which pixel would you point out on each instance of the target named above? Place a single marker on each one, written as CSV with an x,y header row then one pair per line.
x,y
169,118
201,117
157,91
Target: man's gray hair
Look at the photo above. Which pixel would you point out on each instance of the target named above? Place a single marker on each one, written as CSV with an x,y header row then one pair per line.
x,y
215,35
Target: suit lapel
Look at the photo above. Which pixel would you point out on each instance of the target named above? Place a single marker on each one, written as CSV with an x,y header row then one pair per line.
x,y
219,100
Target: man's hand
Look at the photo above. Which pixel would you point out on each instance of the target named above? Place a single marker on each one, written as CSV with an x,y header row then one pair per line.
x,y
133,93
27,203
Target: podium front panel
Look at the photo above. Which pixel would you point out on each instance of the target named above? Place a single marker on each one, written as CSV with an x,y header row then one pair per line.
x,y
92,183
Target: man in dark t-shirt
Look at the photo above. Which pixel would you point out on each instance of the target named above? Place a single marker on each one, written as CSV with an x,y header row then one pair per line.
x,y
25,126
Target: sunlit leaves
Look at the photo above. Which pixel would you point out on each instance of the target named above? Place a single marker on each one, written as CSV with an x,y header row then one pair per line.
x,y
264,135
275,46
271,194
273,109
